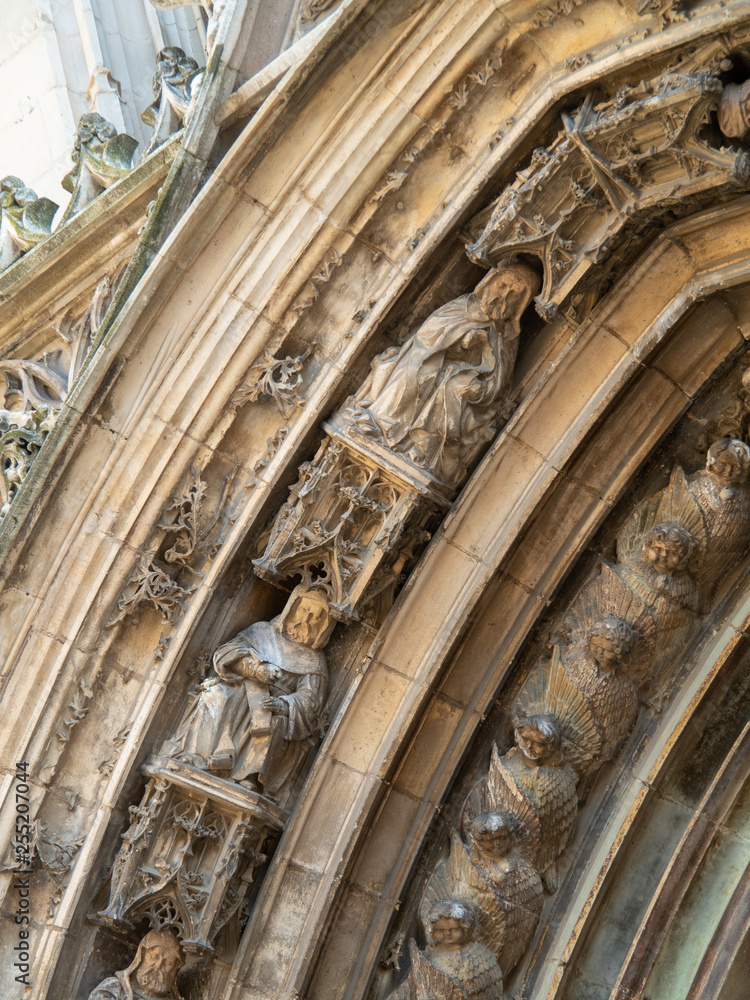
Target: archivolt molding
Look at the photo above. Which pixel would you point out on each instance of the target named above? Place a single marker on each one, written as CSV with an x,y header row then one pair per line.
x,y
494,529
245,250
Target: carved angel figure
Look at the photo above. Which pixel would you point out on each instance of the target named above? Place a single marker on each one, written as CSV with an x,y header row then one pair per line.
x,y
256,715
152,975
590,650
497,878
660,576
599,669
722,496
436,399
455,966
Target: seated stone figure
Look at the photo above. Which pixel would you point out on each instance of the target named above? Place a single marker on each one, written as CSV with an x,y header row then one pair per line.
x,y
256,715
436,399
152,975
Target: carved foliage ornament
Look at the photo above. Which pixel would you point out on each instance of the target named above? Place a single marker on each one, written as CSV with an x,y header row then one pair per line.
x,y
637,154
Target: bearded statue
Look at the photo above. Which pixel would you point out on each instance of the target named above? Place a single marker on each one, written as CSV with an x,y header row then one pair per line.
x,y
254,717
152,975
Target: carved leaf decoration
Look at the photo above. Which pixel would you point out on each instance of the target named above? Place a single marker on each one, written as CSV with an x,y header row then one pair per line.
x,y
430,983
498,792
549,691
607,596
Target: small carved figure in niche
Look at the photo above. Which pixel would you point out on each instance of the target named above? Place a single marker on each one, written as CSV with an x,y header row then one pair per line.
x,y
455,966
436,399
496,876
600,669
734,110
152,975
660,577
721,492
257,714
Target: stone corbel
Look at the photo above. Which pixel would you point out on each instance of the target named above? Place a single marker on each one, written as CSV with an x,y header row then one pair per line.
x,y
25,219
101,157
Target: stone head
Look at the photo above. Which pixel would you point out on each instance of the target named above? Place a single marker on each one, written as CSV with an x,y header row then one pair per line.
x,y
307,617
451,923
539,738
610,642
158,960
668,547
506,292
494,834
728,462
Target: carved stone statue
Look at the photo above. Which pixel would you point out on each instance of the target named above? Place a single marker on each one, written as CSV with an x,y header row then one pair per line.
x,y
496,876
661,578
436,399
152,975
734,110
173,86
722,494
101,156
25,219
256,715
600,669
454,966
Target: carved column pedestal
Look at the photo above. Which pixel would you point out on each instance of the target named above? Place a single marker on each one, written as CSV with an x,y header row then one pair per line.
x,y
353,520
189,856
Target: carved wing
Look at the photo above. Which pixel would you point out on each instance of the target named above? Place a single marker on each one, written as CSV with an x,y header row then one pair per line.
x,y
550,691
498,792
430,983
673,503
643,518
606,596
484,980
676,503
459,878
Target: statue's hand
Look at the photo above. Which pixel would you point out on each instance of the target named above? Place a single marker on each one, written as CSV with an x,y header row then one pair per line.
x,y
270,672
276,705
473,391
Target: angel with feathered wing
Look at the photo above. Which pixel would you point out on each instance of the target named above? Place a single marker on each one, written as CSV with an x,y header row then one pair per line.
x,y
720,496
556,739
469,972
654,558
498,879
610,637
